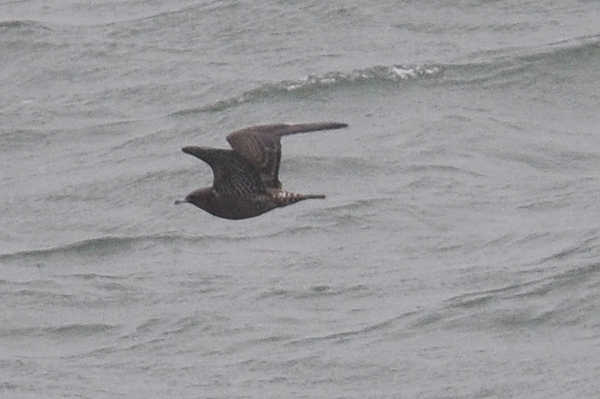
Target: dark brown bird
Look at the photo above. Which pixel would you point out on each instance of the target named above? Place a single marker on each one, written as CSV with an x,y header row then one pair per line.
x,y
246,178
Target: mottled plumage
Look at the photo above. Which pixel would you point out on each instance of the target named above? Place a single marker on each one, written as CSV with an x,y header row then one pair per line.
x,y
246,178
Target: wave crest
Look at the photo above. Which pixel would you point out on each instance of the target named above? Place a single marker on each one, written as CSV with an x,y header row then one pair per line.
x,y
393,74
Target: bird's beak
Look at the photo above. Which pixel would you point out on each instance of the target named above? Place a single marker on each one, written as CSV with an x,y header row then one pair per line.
x,y
180,201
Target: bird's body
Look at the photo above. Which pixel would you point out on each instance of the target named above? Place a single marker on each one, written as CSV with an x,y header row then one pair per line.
x,y
246,178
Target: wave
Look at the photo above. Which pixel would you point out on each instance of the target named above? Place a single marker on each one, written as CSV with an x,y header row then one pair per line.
x,y
392,74
567,50
315,292
377,328
562,299
491,67
18,24
101,246
527,65
63,332
111,246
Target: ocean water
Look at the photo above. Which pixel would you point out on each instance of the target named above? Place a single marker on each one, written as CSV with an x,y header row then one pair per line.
x,y
457,254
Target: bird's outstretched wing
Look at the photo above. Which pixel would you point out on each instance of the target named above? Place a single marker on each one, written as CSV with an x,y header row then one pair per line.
x,y
233,175
261,145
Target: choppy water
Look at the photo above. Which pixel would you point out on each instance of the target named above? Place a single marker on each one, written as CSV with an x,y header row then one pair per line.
x,y
457,254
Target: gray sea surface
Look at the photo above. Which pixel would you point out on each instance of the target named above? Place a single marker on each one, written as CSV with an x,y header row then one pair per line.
x,y
457,254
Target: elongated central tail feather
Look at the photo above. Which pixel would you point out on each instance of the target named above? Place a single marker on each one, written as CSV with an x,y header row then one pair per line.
x,y
284,198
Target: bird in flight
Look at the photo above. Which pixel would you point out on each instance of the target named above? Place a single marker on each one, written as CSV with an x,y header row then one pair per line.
x,y
246,178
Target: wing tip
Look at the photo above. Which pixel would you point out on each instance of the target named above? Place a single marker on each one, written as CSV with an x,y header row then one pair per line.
x,y
199,152
338,125
326,125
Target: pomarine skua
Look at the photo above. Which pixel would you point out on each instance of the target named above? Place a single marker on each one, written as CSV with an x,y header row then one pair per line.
x,y
246,178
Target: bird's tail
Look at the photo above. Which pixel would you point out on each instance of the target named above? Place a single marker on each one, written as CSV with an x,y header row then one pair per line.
x,y
284,198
